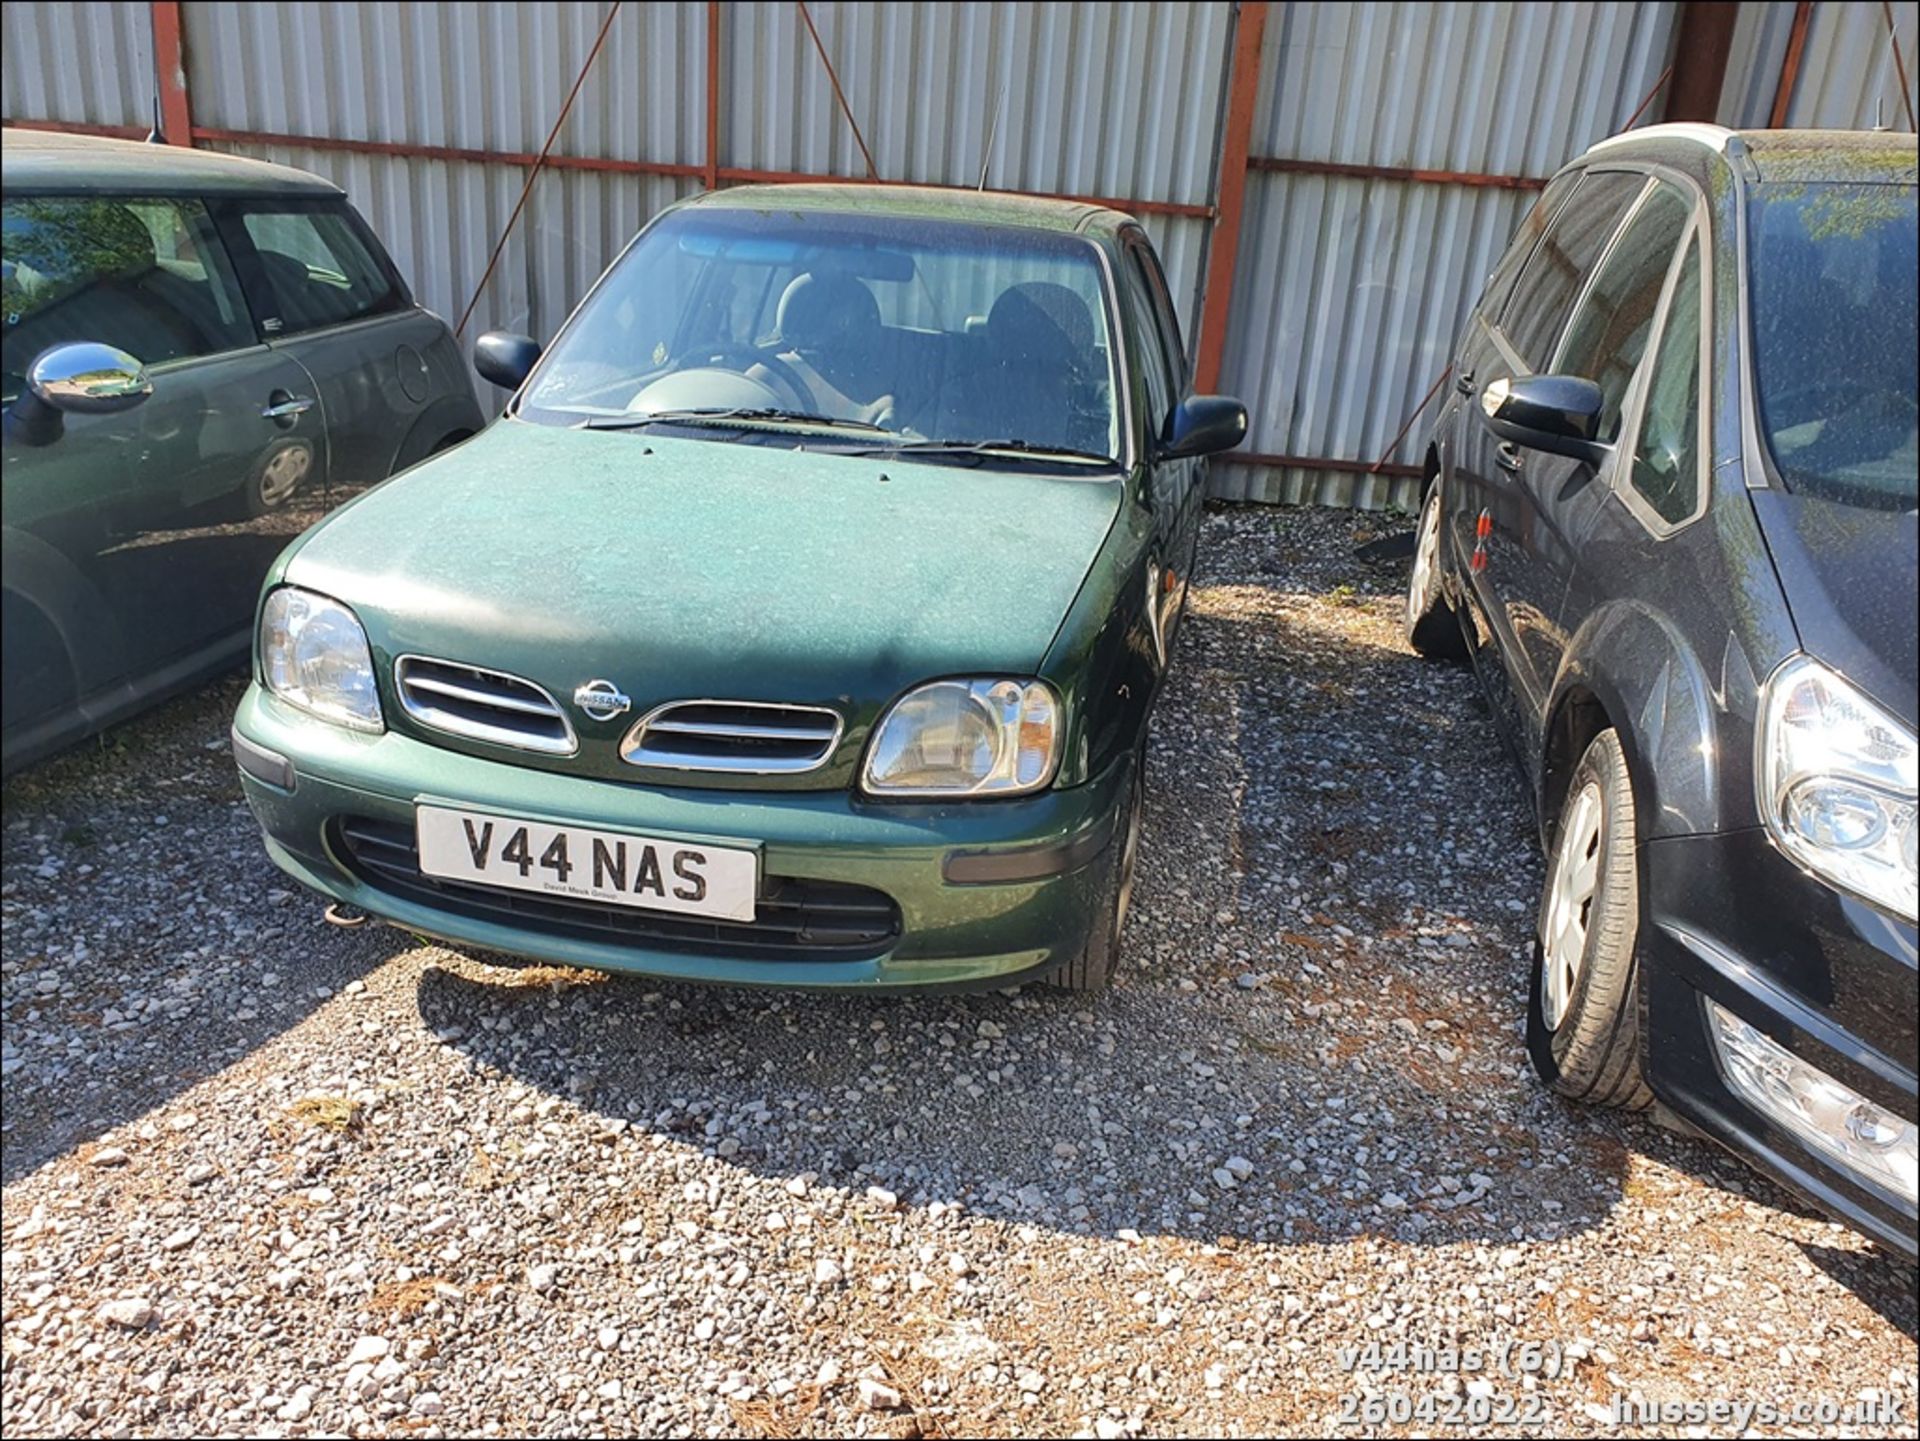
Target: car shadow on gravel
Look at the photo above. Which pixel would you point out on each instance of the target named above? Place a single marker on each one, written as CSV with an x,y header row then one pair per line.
x,y
148,941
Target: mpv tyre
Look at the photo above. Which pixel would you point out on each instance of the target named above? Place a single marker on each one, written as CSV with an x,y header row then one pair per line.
x,y
1432,625
1583,1012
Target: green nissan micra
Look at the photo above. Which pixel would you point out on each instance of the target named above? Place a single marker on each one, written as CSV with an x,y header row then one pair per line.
x,y
797,625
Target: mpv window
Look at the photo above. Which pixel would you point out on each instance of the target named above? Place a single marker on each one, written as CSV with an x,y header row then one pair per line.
x,y
934,329
1562,261
149,277
321,266
1608,333
1833,312
1666,453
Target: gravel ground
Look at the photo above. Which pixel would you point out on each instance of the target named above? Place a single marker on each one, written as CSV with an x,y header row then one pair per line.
x,y
267,1176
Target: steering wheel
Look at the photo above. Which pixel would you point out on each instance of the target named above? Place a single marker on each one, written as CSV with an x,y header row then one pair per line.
x,y
740,356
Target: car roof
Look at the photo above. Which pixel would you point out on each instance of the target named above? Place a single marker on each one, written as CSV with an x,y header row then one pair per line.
x,y
56,161
922,202
1802,156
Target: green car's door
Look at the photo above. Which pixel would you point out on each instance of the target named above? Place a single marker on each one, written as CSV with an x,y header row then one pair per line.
x,y
135,543
1174,486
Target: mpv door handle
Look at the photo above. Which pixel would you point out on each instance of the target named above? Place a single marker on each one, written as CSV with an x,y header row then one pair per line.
x,y
1507,456
283,406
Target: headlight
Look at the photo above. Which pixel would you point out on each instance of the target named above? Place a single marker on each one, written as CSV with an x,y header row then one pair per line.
x,y
1837,780
314,654
966,738
1849,1128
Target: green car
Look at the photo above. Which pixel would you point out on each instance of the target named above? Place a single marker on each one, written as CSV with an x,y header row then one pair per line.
x,y
798,624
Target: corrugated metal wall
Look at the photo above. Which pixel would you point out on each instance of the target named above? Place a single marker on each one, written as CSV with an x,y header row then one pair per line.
x,y
1847,75
90,64
1348,291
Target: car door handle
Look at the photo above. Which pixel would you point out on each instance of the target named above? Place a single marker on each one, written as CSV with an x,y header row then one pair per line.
x,y
1507,456
286,409
1464,383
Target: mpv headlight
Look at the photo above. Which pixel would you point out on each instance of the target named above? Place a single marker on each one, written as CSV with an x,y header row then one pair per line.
x,y
314,654
966,738
1837,779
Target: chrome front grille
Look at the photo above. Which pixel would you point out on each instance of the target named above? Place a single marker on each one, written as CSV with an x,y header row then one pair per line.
x,y
739,737
482,705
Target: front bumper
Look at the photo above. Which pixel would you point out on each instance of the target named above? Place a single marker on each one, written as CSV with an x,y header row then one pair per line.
x,y
1826,976
1023,904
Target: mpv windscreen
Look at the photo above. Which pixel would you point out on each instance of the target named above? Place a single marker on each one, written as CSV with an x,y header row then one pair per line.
x,y
926,329
1833,301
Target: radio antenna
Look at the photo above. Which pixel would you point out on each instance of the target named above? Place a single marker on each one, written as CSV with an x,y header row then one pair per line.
x,y
993,134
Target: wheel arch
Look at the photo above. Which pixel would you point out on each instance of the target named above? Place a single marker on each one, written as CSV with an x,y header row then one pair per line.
x,y
1630,670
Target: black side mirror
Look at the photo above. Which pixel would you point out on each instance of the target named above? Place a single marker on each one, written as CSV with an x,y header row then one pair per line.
x,y
504,358
1204,425
80,378
1555,413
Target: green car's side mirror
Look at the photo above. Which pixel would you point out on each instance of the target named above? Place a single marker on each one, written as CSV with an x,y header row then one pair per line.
x,y
1204,425
81,378
504,358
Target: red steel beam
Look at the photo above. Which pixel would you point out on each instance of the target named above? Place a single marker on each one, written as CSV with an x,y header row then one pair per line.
x,y
1275,164
170,73
1700,53
425,152
1224,243
1790,66
1309,462
80,127
711,175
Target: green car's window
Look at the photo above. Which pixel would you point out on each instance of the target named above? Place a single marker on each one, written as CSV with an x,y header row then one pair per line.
x,y
149,277
935,330
320,267
1666,454
1833,296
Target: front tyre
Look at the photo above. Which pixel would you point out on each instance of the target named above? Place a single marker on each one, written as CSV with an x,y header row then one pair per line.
x,y
1099,958
1583,1013
1432,626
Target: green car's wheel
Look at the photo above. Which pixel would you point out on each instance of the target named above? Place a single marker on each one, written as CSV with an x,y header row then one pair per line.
x,y
1432,627
1100,957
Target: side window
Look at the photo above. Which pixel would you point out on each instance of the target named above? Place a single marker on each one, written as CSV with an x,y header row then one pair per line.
x,y
1167,322
1666,452
1154,361
1500,283
321,266
149,277
1608,332
1559,266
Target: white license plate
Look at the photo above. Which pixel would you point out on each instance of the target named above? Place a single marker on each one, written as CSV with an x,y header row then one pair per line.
x,y
622,870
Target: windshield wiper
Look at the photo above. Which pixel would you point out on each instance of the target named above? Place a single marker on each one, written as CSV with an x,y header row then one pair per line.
x,y
985,447
720,415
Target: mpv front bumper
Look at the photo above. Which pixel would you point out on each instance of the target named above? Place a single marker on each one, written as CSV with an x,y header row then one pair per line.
x,y
1827,977
987,892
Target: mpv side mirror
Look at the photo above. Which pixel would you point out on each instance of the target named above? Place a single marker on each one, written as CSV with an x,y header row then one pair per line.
x,y
81,378
1555,413
504,358
1204,425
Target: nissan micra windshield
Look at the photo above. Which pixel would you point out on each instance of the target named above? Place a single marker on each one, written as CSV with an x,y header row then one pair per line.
x,y
903,332
1833,298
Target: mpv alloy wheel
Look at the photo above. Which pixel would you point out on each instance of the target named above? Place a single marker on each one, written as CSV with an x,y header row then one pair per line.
x,y
1576,876
1432,628
1583,1007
